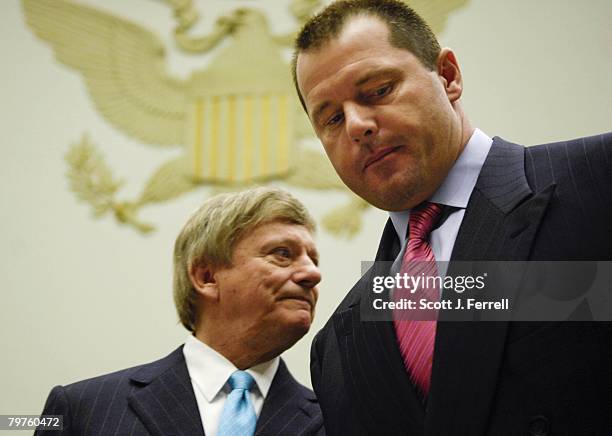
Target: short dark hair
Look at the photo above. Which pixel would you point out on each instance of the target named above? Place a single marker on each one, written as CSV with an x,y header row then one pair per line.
x,y
407,30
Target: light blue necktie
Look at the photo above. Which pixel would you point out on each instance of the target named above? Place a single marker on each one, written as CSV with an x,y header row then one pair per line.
x,y
238,416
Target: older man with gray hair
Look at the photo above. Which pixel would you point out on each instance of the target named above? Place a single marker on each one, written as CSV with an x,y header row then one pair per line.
x,y
245,285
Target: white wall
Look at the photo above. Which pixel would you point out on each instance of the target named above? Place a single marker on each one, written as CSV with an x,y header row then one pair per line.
x,y
81,297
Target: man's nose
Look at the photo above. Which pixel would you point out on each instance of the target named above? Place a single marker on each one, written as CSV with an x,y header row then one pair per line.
x,y
360,123
308,274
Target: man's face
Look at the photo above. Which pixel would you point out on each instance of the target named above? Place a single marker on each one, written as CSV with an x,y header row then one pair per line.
x,y
387,123
268,294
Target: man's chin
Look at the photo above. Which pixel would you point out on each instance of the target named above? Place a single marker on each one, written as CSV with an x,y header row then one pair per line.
x,y
302,321
297,311
296,325
390,203
393,196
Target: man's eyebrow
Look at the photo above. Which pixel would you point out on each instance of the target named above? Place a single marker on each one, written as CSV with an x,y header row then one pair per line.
x,y
288,240
377,73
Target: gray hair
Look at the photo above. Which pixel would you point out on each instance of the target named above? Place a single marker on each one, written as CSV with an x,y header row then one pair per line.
x,y
211,233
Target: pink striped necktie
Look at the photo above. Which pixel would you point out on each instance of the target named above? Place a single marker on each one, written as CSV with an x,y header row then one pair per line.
x,y
416,338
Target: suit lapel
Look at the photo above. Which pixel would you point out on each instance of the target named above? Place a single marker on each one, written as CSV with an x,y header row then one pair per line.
x,y
289,408
373,366
164,400
500,223
503,214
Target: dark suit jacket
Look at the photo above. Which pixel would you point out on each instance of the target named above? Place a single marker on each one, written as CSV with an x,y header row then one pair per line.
x,y
158,399
548,202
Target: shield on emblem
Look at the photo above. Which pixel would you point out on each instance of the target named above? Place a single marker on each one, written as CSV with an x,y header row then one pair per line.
x,y
241,137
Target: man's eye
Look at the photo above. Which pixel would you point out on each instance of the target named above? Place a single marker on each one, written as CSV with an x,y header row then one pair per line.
x,y
382,91
282,252
337,118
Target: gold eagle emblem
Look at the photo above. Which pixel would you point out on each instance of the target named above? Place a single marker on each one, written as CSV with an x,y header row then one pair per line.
x,y
237,121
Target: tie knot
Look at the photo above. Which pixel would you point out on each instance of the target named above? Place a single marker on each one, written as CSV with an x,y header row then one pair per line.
x,y
241,380
422,220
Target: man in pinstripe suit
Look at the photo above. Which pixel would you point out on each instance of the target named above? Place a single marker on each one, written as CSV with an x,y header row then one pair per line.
x,y
245,285
384,99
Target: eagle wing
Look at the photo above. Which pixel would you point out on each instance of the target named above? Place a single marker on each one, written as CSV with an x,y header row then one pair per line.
x,y
122,64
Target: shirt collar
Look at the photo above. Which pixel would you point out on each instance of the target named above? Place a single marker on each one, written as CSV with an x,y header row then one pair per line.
x,y
459,183
210,370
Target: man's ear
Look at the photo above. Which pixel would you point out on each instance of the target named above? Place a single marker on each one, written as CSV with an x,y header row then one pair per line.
x,y
450,74
203,280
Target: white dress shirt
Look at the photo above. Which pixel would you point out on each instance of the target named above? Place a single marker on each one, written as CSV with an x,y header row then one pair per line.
x,y
210,371
454,191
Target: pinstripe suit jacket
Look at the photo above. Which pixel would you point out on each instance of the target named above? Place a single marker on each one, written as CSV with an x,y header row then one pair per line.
x,y
548,202
158,399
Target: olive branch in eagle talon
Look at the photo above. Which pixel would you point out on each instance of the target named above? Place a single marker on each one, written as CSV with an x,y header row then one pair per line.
x,y
90,177
92,181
